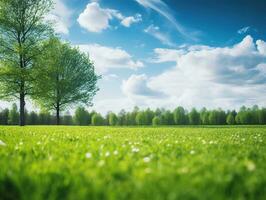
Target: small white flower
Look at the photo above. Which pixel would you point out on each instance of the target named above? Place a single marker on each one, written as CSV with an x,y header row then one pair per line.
x,y
192,152
2,143
147,159
115,152
107,154
250,165
135,150
88,155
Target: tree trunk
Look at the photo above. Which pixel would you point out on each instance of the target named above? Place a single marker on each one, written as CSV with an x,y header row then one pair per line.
x,y
57,114
22,109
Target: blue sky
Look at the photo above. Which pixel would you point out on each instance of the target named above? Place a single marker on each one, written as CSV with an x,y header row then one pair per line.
x,y
165,53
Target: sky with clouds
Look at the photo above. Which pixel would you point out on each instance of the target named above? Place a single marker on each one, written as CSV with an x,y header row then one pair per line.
x,y
165,53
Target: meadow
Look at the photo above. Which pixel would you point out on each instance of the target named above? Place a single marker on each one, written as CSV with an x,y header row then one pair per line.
x,y
162,163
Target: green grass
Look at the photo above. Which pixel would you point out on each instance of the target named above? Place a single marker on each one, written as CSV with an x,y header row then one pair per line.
x,y
133,163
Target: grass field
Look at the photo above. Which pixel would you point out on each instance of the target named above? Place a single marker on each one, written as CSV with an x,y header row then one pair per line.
x,y
133,163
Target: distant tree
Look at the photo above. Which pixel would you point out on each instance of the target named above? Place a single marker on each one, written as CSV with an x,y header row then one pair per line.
x,y
66,77
141,118
13,116
112,119
167,118
97,120
179,116
230,119
67,119
156,121
45,118
4,117
149,114
32,118
262,116
22,31
82,116
122,119
194,117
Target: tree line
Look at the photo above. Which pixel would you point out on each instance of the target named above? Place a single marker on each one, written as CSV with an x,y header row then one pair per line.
x,y
137,117
35,64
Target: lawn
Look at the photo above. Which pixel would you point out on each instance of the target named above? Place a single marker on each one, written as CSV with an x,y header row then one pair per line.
x,y
133,163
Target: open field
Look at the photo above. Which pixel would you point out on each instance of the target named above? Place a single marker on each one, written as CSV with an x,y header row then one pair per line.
x,y
133,163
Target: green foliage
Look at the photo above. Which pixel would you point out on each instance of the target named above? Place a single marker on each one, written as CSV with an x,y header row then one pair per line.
x,y
66,77
194,117
112,119
180,116
13,116
100,163
82,116
156,121
97,120
230,119
22,31
141,119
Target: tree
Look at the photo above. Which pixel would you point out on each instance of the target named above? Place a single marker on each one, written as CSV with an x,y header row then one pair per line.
x,y
4,117
21,33
194,117
230,119
112,119
156,121
66,77
141,118
13,116
82,116
179,115
33,118
97,120
67,119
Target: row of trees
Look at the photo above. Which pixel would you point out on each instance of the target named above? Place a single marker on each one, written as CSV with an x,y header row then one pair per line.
x,y
35,64
179,116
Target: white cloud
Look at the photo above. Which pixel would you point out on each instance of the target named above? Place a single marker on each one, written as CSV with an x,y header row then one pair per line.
x,y
155,32
214,77
261,46
106,58
96,19
60,16
162,8
130,20
137,86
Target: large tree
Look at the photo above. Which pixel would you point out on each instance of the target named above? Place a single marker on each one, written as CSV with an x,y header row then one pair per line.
x,y
21,32
65,77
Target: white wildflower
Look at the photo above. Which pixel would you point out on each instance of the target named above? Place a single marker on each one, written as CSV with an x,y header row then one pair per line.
x,y
88,155
135,150
147,159
192,152
250,165
115,152
107,154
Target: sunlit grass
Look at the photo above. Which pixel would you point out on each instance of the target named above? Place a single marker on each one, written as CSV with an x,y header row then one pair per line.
x,y
133,163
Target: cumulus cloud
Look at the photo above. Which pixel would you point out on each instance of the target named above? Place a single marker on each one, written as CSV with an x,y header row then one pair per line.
x,y
106,58
130,20
137,86
211,76
96,19
156,33
60,16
